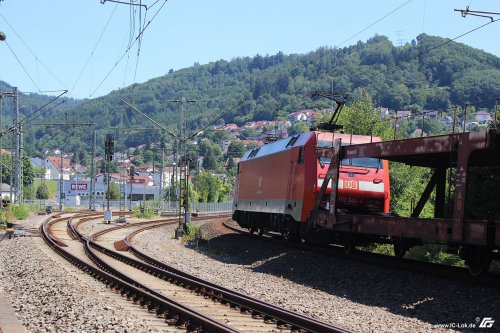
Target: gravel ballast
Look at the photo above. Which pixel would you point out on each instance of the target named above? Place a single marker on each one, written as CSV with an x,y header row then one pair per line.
x,y
357,296
47,298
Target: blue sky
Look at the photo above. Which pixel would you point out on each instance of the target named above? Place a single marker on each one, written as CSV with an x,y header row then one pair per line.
x,y
56,41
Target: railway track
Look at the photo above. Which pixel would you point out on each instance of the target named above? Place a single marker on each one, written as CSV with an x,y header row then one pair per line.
x,y
440,270
175,314
186,302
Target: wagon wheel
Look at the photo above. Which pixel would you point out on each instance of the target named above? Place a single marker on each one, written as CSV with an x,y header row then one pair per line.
x,y
400,249
286,235
349,244
261,231
252,230
479,267
477,259
290,236
349,247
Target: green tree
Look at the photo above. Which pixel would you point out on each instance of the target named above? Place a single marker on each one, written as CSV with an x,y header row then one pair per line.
x,y
42,191
407,185
114,192
28,172
5,168
250,133
211,162
212,154
211,188
148,156
297,127
235,149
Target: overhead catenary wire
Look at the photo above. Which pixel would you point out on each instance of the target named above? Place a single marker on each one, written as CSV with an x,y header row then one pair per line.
x,y
139,43
95,47
151,119
240,103
377,21
423,15
35,114
22,66
424,113
129,47
427,51
33,54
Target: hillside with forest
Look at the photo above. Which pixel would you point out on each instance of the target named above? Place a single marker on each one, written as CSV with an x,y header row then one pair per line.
x,y
430,73
32,104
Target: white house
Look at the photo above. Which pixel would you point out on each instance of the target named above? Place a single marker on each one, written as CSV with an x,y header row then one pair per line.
x,y
5,191
42,164
55,169
482,117
302,115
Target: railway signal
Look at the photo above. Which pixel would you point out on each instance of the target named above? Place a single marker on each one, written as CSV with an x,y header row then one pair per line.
x,y
109,147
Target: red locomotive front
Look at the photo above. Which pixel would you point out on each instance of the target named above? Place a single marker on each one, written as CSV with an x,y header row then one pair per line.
x,y
277,184
363,184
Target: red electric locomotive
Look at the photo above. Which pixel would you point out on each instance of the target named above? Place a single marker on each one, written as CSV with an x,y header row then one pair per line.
x,y
277,184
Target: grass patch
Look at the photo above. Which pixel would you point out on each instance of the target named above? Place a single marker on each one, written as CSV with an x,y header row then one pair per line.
x,y
20,212
434,253
386,249
146,213
192,234
51,186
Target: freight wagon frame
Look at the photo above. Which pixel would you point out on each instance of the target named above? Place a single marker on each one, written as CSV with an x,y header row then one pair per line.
x,y
478,240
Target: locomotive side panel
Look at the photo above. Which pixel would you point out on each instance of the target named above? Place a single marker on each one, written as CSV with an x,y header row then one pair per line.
x,y
272,181
309,180
266,184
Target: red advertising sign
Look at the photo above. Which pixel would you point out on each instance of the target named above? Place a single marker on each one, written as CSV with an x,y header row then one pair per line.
x,y
79,187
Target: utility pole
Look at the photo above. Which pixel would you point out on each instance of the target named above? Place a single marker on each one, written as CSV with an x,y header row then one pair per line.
x,y
184,171
181,140
1,153
109,150
61,181
92,173
17,154
16,177
132,175
162,165
2,38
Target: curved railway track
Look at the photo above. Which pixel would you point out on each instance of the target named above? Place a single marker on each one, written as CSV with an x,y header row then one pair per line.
x,y
174,313
440,270
185,301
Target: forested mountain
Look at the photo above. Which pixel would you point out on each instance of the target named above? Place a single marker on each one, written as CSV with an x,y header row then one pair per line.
x,y
428,73
32,103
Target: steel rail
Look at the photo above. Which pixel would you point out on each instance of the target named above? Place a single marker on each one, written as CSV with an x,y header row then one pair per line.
x,y
258,308
135,291
147,296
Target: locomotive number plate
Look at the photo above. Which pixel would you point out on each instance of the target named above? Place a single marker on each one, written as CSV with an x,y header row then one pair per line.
x,y
351,184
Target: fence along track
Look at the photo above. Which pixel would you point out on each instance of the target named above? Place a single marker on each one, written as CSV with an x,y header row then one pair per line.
x,y
175,313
